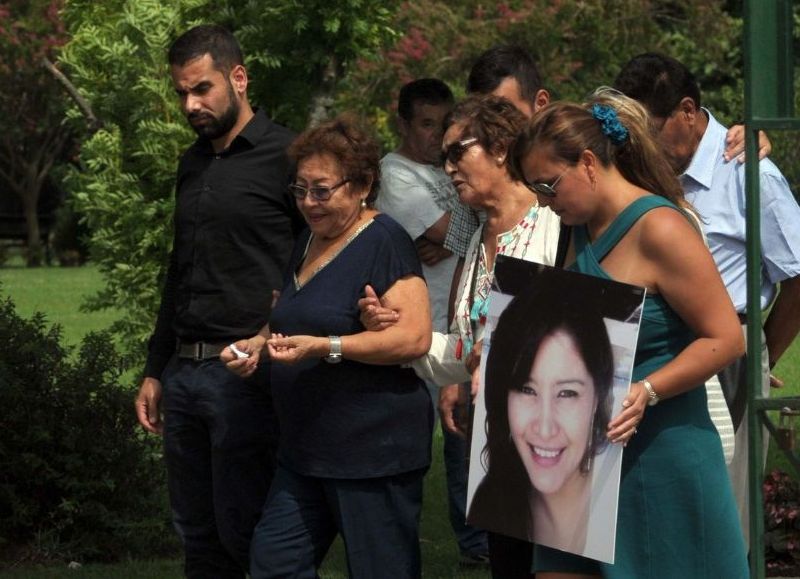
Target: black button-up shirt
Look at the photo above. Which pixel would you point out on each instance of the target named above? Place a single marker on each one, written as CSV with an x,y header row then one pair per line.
x,y
235,225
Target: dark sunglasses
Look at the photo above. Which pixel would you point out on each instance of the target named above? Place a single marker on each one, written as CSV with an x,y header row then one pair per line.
x,y
317,192
546,189
455,151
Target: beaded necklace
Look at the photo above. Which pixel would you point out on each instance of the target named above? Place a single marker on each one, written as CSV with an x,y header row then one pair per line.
x,y
480,282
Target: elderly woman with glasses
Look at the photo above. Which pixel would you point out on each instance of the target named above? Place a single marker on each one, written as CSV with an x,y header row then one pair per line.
x,y
355,425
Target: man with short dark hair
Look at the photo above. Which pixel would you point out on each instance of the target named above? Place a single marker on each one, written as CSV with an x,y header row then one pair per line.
x,y
234,230
693,141
419,195
415,191
509,72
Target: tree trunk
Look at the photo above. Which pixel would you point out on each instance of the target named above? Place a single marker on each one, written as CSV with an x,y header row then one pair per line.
x,y
30,201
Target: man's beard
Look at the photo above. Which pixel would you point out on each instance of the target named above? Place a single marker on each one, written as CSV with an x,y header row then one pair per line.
x,y
214,128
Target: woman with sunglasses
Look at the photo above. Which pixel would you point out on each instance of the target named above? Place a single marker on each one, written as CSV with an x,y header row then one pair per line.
x,y
677,516
475,154
355,426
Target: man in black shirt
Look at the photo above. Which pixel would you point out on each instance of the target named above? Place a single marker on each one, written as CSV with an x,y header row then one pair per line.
x,y
234,230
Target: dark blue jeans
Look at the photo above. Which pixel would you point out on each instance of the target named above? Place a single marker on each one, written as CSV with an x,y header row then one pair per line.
x,y
220,437
378,519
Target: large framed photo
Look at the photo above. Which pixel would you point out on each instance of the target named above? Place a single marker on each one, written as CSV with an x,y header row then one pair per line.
x,y
556,364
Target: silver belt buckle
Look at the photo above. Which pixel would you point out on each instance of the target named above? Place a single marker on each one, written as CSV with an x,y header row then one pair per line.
x,y
198,352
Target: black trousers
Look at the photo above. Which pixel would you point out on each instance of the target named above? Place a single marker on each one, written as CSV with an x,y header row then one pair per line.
x,y
220,439
509,557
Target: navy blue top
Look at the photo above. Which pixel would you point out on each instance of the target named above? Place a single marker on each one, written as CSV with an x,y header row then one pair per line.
x,y
349,420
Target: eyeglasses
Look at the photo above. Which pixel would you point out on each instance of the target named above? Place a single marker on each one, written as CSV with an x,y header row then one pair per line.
x,y
317,192
546,189
455,151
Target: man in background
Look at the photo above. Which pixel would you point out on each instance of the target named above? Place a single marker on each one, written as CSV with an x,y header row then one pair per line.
x,y
419,195
694,141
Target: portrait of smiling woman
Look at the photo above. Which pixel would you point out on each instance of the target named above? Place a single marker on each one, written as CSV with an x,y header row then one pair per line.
x,y
548,394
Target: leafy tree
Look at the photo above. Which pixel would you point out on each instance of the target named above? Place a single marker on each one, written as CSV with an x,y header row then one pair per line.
x,y
33,136
117,59
298,51
578,44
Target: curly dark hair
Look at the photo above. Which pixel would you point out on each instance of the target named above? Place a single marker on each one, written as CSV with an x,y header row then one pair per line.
x,y
354,148
494,121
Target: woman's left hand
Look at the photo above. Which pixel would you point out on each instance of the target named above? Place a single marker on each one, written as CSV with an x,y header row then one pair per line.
x,y
374,316
292,349
623,426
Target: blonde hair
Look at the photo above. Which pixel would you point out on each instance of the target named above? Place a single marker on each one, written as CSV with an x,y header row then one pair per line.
x,y
568,129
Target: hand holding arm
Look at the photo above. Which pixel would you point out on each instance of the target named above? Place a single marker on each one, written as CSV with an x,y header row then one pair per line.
x,y
734,144
429,244
374,316
409,337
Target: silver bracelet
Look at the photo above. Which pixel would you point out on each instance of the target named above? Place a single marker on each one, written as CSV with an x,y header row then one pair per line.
x,y
651,393
335,354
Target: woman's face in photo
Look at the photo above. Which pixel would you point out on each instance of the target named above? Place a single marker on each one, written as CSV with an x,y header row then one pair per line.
x,y
550,417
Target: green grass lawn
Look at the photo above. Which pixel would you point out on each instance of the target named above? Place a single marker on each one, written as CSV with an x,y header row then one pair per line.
x,y
59,292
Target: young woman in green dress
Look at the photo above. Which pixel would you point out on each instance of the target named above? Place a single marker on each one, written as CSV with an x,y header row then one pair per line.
x,y
597,166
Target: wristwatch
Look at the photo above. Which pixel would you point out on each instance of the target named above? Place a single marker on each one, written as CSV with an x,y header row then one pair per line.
x,y
651,394
335,355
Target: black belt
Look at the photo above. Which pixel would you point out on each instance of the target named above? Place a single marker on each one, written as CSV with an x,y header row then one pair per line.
x,y
198,351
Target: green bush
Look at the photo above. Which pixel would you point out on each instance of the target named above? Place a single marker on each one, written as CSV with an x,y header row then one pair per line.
x,y
77,479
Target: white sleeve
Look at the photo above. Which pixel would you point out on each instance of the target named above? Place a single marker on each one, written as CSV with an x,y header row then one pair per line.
x,y
440,364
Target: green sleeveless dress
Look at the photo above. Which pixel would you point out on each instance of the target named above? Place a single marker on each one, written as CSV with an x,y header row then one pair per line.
x,y
677,516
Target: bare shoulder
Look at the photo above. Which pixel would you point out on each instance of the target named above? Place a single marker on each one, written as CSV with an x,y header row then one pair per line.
x,y
665,232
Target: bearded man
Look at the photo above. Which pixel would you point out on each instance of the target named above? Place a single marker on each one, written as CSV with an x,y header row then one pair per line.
x,y
234,228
